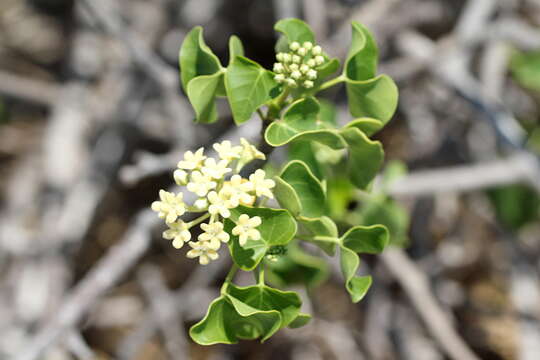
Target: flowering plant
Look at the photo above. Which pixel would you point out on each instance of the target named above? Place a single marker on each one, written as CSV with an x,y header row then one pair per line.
x,y
267,222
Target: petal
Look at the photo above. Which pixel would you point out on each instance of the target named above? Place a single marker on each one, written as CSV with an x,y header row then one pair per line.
x,y
255,221
193,253
178,243
213,255
203,260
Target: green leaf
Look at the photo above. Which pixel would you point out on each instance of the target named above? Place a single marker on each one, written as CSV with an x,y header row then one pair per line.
x,y
226,323
235,48
365,157
368,126
319,231
376,98
369,96
361,63
302,150
196,58
362,239
297,267
326,69
293,30
248,86
301,320
301,122
287,196
261,298
202,92
307,187
278,228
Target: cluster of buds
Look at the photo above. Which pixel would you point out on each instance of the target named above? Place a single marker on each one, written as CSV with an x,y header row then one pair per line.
x,y
297,67
219,188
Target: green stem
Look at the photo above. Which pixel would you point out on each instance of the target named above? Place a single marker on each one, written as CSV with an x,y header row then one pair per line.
x,y
261,275
229,278
331,83
261,115
198,220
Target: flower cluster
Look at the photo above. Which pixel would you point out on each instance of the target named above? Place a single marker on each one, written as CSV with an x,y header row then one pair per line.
x,y
219,189
298,67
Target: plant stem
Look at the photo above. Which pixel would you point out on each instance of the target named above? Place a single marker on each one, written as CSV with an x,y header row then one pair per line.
x,y
198,220
261,115
331,83
261,274
229,278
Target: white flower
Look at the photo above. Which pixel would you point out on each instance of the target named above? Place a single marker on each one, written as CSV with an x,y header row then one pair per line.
x,y
307,45
279,57
302,51
304,68
279,78
296,59
260,185
291,83
178,232
250,152
200,183
311,63
286,58
308,84
192,160
317,50
170,206
278,68
294,67
245,229
294,46
296,74
180,177
311,74
215,170
319,60
226,151
221,203
202,251
213,234
201,203
239,188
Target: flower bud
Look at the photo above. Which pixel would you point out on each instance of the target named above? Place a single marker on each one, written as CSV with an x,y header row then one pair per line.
x,y
279,78
291,83
294,46
319,60
278,68
286,58
296,75
302,51
293,67
279,56
311,74
316,50
308,84
311,63
304,68
307,45
296,59
180,177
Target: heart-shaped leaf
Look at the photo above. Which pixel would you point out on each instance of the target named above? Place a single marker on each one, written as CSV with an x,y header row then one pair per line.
x,y
309,190
301,122
301,320
293,30
202,92
235,48
278,227
369,96
303,151
319,231
297,267
248,86
365,157
226,323
196,58
360,239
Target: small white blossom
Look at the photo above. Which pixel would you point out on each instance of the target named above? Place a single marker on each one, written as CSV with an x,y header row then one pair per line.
x,y
245,229
170,207
311,74
215,170
279,78
279,57
308,84
201,204
286,58
202,251
221,203
180,177
319,60
192,160
250,152
178,232
296,74
278,68
317,50
304,68
308,45
302,51
291,83
311,63
200,183
213,234
296,59
239,189
261,185
294,46
294,67
226,151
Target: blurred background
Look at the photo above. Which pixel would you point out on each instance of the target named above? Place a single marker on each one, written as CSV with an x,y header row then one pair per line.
x,y
92,120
